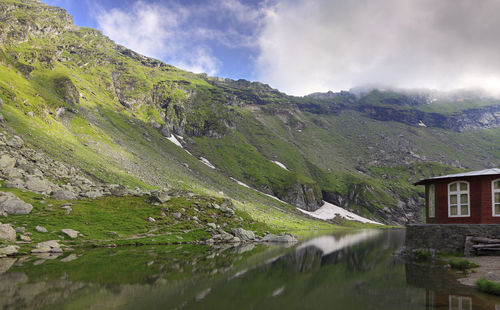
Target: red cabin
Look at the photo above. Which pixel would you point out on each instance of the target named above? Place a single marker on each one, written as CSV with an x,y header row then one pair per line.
x,y
464,198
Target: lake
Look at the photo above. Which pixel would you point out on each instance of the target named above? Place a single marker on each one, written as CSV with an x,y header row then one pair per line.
x,y
356,270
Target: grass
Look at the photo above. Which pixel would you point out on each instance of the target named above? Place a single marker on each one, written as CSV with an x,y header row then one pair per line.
x,y
461,263
489,287
127,217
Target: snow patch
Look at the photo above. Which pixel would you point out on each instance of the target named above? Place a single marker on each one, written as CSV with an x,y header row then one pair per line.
x,y
329,211
241,183
330,244
174,140
271,196
280,164
245,185
421,124
206,162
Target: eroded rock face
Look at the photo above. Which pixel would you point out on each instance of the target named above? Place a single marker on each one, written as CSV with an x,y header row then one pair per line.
x,y
305,196
11,204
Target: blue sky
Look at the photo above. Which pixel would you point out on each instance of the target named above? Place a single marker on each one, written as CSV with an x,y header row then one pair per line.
x,y
305,46
216,37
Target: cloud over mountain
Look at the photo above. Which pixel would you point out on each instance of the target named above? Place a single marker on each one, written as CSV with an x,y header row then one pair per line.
x,y
308,46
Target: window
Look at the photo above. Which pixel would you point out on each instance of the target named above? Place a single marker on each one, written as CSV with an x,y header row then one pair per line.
x,y
458,199
495,190
460,303
431,199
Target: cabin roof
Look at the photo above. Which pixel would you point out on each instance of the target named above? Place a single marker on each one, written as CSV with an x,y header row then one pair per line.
x,y
491,171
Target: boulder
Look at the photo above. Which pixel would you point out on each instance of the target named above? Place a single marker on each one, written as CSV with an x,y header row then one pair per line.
x,y
7,232
8,250
15,142
223,236
11,173
15,183
6,162
91,194
150,219
244,235
212,225
51,246
70,233
63,195
38,185
160,196
41,229
67,208
11,204
25,238
177,215
119,191
281,238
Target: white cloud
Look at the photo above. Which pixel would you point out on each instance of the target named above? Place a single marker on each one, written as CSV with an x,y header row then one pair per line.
x,y
308,46
201,61
146,28
182,34
159,31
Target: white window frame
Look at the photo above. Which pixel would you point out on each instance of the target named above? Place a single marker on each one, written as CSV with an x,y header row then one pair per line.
x,y
460,300
458,193
493,191
429,200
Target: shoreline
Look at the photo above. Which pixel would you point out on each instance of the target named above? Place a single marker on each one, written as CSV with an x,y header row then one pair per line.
x,y
489,268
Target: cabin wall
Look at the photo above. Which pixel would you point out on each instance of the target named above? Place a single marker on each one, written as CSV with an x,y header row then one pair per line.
x,y
480,202
487,201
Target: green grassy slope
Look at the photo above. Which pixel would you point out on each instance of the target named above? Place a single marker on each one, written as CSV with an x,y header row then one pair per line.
x,y
120,107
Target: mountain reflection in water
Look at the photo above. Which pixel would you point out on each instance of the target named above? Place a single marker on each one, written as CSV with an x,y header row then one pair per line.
x,y
339,271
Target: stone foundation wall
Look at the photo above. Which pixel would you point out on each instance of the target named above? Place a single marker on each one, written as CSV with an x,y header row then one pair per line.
x,y
448,238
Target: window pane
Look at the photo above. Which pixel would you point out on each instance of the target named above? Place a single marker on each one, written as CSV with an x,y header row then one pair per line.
x,y
464,198
464,209
432,200
453,199
463,186
497,209
454,210
497,197
453,187
496,185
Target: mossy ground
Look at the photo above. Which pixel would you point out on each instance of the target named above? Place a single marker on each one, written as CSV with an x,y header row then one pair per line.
x,y
124,220
489,287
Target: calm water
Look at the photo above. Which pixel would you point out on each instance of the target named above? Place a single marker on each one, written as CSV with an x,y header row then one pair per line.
x,y
341,271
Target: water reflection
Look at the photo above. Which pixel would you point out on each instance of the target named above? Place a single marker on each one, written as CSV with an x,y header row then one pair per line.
x,y
444,292
341,271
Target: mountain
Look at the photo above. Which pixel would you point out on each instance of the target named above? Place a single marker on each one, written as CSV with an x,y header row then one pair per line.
x,y
120,117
